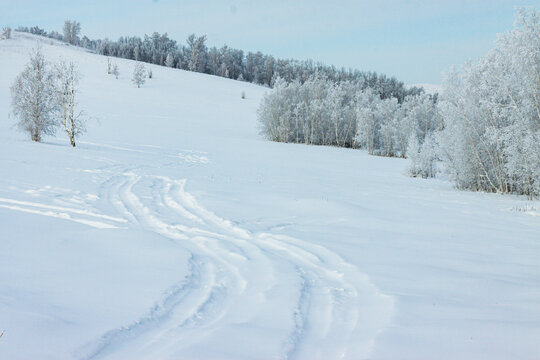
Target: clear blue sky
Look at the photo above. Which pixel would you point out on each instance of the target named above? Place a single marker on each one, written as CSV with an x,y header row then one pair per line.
x,y
412,39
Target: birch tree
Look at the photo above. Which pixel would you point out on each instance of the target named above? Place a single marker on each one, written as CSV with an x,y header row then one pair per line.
x,y
491,112
196,53
33,98
71,118
139,75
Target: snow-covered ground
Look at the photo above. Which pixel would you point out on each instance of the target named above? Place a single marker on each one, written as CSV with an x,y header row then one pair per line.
x,y
173,231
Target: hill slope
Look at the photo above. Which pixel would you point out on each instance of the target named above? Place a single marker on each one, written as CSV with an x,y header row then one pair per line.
x,y
174,231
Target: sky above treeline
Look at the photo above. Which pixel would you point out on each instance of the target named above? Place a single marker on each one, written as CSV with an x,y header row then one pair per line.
x,y
415,40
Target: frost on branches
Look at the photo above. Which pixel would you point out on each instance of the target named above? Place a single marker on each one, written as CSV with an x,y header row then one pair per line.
x,y
139,74
33,98
491,112
485,128
44,97
346,114
71,118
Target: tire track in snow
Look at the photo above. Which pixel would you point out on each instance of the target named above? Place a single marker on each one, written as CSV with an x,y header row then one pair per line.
x,y
336,287
159,313
80,216
199,299
292,342
336,306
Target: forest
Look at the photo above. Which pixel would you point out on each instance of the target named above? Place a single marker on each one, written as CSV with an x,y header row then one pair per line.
x,y
483,130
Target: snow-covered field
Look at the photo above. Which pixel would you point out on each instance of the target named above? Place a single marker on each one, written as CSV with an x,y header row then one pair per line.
x,y
173,231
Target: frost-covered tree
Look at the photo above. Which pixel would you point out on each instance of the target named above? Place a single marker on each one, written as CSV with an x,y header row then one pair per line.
x,y
520,54
379,121
115,71
33,98
368,123
421,115
169,61
491,112
149,73
342,115
72,30
387,112
317,112
272,110
523,160
413,151
139,74
75,31
422,157
71,118
320,111
67,31
6,32
196,53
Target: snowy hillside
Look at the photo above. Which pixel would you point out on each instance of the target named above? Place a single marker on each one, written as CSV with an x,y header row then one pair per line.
x,y
174,231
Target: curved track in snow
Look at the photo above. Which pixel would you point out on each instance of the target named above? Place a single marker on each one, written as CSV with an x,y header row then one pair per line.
x,y
294,299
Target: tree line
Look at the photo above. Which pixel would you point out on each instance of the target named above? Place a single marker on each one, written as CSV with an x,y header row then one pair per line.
x,y
253,67
483,131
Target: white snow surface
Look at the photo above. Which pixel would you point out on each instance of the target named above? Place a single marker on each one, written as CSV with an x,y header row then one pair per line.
x,y
174,231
